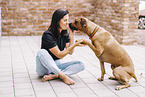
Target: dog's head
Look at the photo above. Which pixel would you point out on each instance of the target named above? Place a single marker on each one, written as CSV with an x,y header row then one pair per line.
x,y
80,24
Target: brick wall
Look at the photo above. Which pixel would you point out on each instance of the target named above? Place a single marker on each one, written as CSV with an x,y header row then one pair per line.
x,y
0,21
120,17
32,17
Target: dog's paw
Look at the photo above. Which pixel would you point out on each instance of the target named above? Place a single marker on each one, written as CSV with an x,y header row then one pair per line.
x,y
118,88
83,42
112,78
100,79
122,86
86,41
78,40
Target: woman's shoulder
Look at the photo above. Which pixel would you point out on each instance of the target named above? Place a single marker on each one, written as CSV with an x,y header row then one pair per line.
x,y
47,35
47,32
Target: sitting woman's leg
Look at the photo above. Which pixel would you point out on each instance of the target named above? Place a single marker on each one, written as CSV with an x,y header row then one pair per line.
x,y
72,67
45,65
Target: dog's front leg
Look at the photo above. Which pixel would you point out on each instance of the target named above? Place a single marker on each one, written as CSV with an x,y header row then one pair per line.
x,y
102,71
97,48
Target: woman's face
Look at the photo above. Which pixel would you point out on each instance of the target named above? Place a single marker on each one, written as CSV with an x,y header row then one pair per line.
x,y
63,23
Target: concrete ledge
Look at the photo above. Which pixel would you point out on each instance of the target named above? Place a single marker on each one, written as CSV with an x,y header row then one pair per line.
x,y
141,36
0,21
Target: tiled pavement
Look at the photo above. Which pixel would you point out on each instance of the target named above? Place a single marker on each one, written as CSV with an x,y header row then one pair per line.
x,y
19,79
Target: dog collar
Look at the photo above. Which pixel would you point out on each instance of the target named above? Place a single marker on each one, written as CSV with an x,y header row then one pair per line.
x,y
93,33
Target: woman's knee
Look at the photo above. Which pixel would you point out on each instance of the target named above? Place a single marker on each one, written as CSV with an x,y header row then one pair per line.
x,y
40,69
41,52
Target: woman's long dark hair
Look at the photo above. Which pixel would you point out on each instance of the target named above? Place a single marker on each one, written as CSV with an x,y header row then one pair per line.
x,y
56,17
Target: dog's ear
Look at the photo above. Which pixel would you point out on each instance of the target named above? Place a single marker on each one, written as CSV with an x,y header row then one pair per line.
x,y
83,22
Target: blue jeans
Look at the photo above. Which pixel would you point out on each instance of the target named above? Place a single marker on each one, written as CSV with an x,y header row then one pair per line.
x,y
46,65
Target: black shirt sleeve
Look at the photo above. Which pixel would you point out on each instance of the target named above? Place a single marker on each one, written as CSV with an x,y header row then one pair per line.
x,y
48,41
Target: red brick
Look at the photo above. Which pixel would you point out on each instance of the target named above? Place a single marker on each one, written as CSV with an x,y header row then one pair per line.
x,y
38,13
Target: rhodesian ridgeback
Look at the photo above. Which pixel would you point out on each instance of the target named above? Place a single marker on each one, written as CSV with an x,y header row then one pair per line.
x,y
107,49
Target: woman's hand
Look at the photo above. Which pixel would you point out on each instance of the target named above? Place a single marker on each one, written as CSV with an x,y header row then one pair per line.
x,y
80,42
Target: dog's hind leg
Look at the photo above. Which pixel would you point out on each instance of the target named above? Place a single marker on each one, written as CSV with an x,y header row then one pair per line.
x,y
112,77
126,85
122,75
102,71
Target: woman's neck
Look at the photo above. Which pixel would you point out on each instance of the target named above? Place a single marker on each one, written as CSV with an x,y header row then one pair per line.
x,y
61,30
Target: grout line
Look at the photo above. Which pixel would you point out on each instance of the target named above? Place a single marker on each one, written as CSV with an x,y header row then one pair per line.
x,y
27,68
12,66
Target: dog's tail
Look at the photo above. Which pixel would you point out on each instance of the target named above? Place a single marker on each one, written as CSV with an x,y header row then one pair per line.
x,y
138,78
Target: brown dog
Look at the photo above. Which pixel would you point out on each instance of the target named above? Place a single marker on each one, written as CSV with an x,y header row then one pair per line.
x,y
107,49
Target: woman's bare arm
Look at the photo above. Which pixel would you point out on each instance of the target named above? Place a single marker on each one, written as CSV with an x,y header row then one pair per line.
x,y
60,54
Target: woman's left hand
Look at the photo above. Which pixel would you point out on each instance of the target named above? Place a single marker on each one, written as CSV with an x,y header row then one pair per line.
x,y
80,42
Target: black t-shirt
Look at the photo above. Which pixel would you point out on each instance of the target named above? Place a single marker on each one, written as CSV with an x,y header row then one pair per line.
x,y
49,41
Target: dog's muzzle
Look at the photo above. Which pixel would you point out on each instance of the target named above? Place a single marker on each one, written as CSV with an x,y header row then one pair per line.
x,y
72,27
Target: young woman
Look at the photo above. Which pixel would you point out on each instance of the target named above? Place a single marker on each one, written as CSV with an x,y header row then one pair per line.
x,y
56,44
